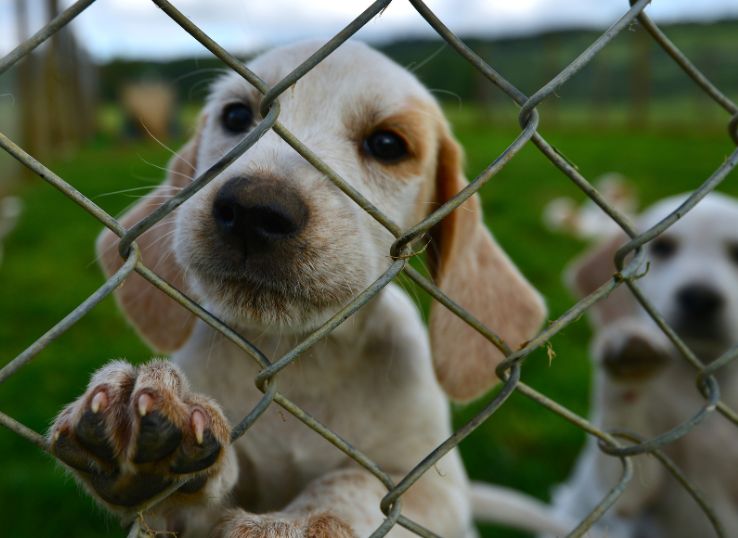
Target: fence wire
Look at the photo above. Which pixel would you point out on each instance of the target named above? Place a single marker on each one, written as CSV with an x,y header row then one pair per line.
x,y
617,444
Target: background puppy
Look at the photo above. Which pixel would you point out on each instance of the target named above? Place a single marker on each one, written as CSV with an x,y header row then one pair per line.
x,y
274,249
587,220
643,385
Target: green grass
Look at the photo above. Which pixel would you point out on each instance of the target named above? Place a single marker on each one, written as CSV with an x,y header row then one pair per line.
x,y
49,269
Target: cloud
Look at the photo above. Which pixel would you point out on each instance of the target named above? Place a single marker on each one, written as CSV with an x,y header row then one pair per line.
x,y
137,28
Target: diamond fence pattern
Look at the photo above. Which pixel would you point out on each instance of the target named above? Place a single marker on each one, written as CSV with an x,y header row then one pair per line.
x,y
617,444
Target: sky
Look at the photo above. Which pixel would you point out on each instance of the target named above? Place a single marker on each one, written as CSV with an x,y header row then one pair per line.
x,y
138,29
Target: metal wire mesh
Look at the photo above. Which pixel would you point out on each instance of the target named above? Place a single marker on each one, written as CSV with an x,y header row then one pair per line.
x,y
618,445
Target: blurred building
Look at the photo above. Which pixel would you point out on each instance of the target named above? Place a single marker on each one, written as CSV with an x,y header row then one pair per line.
x,y
150,108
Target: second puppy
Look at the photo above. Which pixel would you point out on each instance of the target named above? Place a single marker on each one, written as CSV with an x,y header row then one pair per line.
x,y
643,385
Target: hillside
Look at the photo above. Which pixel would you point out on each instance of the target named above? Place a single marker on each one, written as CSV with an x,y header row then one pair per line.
x,y
631,66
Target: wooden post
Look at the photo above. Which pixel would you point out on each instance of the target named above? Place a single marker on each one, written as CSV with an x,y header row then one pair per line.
x,y
31,114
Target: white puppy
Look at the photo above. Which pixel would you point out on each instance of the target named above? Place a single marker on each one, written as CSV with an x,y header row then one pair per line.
x,y
273,248
643,385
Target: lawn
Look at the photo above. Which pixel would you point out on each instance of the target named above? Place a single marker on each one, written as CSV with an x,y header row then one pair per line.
x,y
50,268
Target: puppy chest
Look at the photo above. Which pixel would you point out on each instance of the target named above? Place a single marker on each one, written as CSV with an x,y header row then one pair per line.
x,y
278,457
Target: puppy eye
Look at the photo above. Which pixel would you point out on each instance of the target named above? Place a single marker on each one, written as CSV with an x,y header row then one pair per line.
x,y
663,248
237,118
386,146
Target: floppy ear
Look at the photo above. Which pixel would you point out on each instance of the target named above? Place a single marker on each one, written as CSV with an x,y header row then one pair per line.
x,y
470,267
162,322
590,271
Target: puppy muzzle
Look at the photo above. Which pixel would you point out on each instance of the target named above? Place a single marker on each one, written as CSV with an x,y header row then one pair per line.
x,y
255,216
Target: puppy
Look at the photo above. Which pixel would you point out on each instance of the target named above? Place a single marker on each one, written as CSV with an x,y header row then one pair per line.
x,y
274,249
643,385
587,221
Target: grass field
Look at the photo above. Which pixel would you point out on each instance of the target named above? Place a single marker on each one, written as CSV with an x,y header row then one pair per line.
x,y
50,268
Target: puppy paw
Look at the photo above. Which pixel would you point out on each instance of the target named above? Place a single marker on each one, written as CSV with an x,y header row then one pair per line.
x,y
629,351
138,431
327,526
239,524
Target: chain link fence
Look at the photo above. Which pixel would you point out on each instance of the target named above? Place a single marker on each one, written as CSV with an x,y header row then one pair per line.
x,y
619,446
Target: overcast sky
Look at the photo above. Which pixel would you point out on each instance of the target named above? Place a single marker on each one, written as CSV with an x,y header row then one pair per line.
x,y
138,29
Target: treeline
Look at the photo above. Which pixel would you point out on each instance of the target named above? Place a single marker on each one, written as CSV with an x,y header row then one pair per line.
x,y
632,68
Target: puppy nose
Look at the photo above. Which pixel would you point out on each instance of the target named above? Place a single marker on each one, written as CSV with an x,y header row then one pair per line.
x,y
255,214
699,301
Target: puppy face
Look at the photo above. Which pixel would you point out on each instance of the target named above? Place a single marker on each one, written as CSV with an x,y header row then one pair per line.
x,y
693,272
272,242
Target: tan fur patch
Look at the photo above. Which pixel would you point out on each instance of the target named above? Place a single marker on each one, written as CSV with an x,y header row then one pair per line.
x,y
161,321
328,526
472,269
592,270
411,124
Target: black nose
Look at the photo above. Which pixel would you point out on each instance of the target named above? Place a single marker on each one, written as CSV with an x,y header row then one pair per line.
x,y
699,302
254,214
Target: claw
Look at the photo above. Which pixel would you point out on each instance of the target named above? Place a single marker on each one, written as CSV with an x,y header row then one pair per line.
x,y
145,403
199,422
99,401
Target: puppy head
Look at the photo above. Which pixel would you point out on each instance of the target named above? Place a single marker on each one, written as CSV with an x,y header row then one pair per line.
x,y
272,243
691,277
693,272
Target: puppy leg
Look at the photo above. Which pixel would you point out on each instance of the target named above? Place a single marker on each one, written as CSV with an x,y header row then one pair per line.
x,y
138,432
631,350
632,357
345,504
